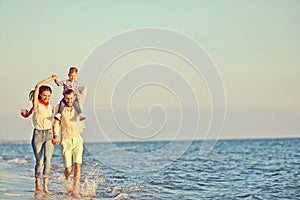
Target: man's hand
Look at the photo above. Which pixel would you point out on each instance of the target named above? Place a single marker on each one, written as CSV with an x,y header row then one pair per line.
x,y
55,140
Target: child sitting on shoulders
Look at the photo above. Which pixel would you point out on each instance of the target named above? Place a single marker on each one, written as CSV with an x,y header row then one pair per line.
x,y
72,84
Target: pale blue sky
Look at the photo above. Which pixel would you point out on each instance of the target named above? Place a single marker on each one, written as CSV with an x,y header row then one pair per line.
x,y
255,45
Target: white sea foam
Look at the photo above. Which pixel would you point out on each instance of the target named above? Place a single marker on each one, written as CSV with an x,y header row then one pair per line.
x,y
117,190
17,160
127,148
12,195
121,196
123,193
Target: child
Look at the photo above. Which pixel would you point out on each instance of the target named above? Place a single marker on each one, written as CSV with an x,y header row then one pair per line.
x,y
72,84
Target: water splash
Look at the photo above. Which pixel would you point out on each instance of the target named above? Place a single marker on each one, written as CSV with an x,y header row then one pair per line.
x,y
90,180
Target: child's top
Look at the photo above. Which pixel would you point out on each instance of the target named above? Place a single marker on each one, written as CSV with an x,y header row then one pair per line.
x,y
67,84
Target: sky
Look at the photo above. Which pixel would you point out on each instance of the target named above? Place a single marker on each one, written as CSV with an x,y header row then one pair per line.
x,y
254,47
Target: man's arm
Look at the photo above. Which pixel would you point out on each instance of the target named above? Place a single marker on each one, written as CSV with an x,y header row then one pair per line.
x,y
56,128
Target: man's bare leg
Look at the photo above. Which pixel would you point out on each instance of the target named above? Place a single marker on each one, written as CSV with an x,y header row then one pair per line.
x,y
68,171
77,174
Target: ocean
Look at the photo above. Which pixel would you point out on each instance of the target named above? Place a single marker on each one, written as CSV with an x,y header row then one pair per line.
x,y
260,169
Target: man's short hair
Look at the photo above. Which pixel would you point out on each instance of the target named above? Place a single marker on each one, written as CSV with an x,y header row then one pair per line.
x,y
68,91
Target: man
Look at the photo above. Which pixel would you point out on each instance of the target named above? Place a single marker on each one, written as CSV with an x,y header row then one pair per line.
x,y
71,142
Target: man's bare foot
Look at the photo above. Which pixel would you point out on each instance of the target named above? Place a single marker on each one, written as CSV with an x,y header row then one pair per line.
x,y
76,194
69,192
69,188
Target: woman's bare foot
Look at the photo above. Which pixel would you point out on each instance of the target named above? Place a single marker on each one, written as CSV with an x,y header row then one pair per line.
x,y
37,191
38,188
46,191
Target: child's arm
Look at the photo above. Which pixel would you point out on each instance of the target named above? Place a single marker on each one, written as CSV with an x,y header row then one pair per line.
x,y
58,82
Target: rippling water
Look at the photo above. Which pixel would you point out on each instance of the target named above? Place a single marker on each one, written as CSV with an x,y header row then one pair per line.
x,y
234,169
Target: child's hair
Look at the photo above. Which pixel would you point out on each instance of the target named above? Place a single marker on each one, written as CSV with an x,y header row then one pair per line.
x,y
73,69
41,90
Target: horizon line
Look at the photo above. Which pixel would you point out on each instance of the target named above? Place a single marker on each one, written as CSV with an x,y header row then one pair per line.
x,y
24,141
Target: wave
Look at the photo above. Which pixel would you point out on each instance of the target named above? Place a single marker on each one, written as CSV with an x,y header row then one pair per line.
x,y
127,148
12,195
17,161
123,193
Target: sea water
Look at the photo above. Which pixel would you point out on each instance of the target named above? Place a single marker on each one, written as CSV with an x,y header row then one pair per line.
x,y
234,169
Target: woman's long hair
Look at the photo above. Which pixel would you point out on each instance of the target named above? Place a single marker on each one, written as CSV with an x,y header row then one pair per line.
x,y
41,90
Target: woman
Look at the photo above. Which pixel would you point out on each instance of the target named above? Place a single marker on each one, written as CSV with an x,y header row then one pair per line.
x,y
42,133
